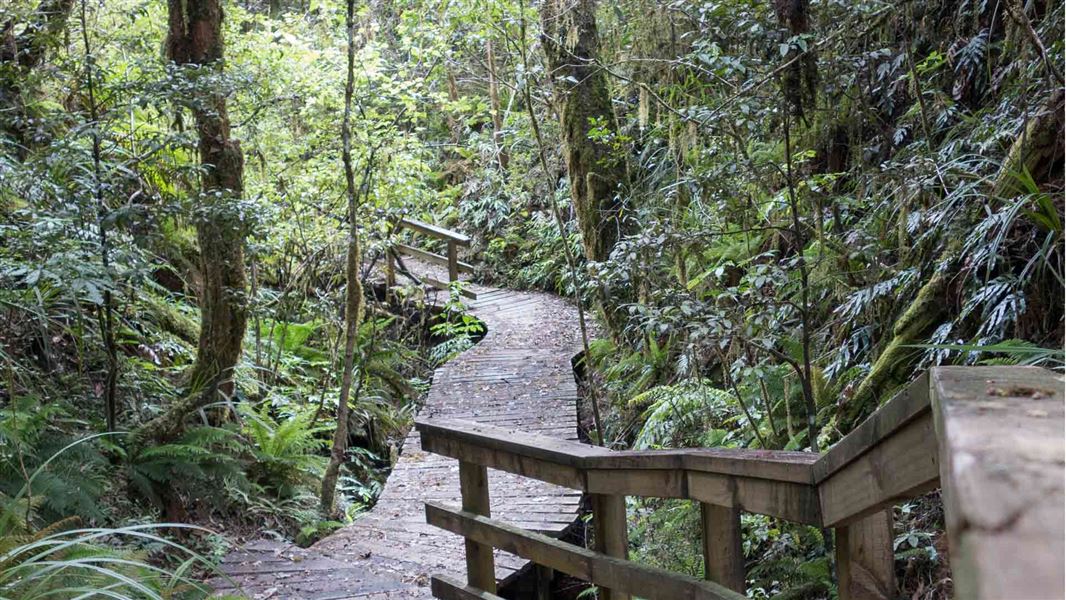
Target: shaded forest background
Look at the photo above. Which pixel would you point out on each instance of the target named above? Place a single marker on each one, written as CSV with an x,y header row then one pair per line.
x,y
780,212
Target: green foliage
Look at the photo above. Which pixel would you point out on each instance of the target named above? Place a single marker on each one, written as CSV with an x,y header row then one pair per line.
x,y
790,557
91,563
202,462
46,474
286,454
460,329
756,280
1007,352
686,414
667,534
60,560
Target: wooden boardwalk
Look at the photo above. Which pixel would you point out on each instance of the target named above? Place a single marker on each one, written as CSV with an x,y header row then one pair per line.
x,y
519,376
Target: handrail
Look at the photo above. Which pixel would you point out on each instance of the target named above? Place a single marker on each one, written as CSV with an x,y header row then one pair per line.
x,y
435,231
453,239
774,483
927,435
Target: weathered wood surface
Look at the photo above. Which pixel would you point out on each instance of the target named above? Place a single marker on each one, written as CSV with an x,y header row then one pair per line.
x,y
624,577
474,489
447,588
891,456
909,404
432,257
520,377
723,554
612,537
435,231
775,465
993,437
1001,462
774,483
865,568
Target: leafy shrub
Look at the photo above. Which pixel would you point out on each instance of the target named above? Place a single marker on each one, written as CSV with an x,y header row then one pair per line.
x,y
46,473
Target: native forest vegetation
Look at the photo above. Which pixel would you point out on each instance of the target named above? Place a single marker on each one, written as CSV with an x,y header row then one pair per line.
x,y
777,212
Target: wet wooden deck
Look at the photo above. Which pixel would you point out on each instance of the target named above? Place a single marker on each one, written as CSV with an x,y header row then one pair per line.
x,y
519,376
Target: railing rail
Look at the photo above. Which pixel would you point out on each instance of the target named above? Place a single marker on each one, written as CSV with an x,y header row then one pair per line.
x,y
1006,541
453,239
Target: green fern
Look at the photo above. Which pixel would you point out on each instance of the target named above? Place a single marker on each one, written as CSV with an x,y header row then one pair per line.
x,y
1013,352
680,414
46,474
201,459
286,451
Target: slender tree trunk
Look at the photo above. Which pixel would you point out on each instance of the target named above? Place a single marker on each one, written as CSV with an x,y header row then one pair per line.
x,y
107,316
454,126
804,372
195,38
494,101
571,44
353,307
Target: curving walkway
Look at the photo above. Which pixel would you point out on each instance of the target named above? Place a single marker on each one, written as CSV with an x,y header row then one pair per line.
x,y
518,376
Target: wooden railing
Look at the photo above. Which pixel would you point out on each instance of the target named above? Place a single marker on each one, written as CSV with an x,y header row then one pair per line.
x,y
990,437
451,260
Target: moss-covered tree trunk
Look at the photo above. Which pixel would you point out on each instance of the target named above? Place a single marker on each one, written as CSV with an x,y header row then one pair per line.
x,y
571,44
195,38
895,364
1038,150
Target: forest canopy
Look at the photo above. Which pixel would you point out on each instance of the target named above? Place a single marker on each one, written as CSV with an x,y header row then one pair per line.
x,y
774,214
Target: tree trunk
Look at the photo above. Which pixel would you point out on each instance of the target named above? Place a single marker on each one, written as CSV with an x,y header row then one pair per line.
x,y
800,80
353,306
454,126
571,44
107,314
494,101
1038,150
895,364
195,38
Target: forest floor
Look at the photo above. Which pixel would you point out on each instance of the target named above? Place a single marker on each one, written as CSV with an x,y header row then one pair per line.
x,y
519,375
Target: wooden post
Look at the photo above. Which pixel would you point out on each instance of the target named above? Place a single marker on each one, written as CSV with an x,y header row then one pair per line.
x,y
723,553
474,485
865,569
612,537
544,577
1001,451
453,262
